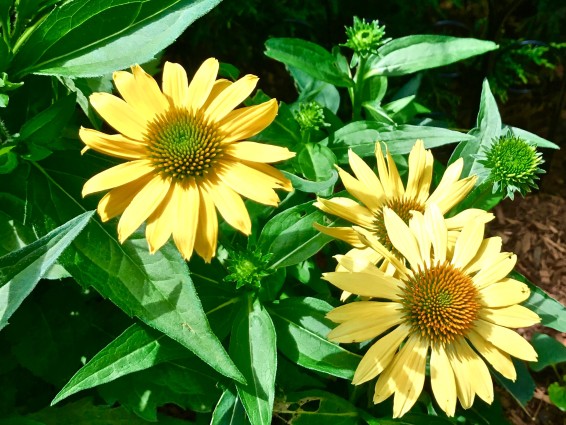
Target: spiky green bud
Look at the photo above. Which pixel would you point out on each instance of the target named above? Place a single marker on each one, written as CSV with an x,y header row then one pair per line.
x,y
513,165
247,268
310,116
365,37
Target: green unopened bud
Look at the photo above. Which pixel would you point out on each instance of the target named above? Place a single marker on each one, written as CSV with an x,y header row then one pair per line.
x,y
365,37
248,268
310,116
513,165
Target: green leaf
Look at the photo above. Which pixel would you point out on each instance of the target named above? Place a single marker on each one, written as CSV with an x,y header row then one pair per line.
x,y
316,161
551,312
557,395
187,383
533,138
550,351
413,53
283,131
488,128
84,412
253,348
46,126
291,237
156,288
21,270
309,58
324,94
229,410
360,136
137,348
4,53
523,388
316,407
301,335
85,38
310,186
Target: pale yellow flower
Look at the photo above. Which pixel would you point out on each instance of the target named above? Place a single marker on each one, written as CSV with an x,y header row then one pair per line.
x,y
185,154
375,192
452,301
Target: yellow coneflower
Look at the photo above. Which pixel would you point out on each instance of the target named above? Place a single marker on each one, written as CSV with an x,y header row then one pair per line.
x,y
450,300
186,157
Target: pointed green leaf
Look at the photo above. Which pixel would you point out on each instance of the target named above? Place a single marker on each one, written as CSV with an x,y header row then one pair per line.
x,y
137,348
550,351
360,136
533,138
291,237
22,269
85,38
413,53
301,336
229,410
309,58
155,288
253,348
310,186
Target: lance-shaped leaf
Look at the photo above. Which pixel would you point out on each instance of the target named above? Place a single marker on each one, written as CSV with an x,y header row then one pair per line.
x,y
85,38
253,348
413,53
21,270
308,57
229,410
137,348
290,236
360,136
301,336
156,288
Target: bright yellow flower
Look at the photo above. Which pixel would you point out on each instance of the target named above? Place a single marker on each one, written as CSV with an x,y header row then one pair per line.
x,y
452,300
185,156
375,193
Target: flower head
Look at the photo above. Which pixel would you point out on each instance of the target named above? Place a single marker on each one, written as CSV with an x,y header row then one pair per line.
x,y
310,116
248,267
185,156
513,165
451,300
365,37
387,190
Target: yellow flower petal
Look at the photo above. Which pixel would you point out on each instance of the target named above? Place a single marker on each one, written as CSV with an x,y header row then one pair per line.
x,y
115,202
141,92
478,373
504,293
361,310
186,208
497,358
360,191
201,84
176,84
117,176
437,233
365,284
499,268
366,328
230,205
513,316
247,122
489,249
459,220
506,340
380,355
276,177
420,173
218,86
371,241
464,388
347,209
468,244
119,115
258,152
410,377
113,144
402,238
207,230
248,182
345,234
442,380
366,176
421,232
161,222
230,97
142,206
456,193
